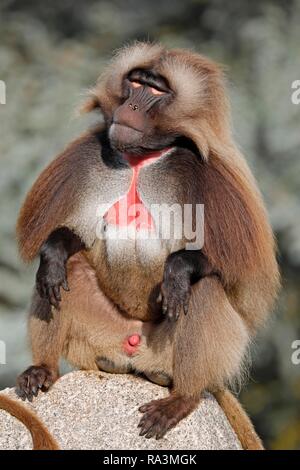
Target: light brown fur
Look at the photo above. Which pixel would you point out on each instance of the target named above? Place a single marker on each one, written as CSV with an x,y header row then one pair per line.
x,y
41,438
239,421
206,349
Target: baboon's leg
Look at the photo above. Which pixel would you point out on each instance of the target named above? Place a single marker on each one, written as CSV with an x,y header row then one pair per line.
x,y
47,332
209,346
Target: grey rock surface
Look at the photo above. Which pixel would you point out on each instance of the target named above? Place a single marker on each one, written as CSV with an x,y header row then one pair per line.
x,y
88,410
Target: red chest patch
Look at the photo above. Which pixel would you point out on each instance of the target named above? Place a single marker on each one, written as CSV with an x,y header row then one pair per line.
x,y
130,209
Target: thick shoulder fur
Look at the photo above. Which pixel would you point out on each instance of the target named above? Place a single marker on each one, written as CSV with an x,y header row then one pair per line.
x,y
56,194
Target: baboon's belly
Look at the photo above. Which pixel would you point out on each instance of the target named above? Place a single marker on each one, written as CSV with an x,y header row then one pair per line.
x,y
102,336
123,347
129,273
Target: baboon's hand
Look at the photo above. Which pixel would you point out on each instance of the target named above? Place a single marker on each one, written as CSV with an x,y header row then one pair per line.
x,y
51,276
175,289
34,379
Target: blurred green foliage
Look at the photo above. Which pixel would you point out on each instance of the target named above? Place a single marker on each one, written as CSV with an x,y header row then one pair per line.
x,y
50,52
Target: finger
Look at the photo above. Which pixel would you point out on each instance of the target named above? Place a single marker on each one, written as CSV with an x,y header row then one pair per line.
x,y
51,297
173,310
177,312
165,306
186,302
143,432
160,433
35,390
65,285
152,431
143,421
147,425
170,314
56,292
21,394
146,407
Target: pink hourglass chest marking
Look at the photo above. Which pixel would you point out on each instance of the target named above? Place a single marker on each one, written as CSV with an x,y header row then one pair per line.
x,y
130,210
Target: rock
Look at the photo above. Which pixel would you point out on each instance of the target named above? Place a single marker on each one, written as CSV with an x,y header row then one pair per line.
x,y
86,410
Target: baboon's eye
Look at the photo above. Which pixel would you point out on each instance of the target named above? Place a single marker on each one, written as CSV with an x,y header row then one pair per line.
x,y
155,91
136,84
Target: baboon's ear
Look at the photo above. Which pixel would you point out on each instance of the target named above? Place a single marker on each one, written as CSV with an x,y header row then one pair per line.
x,y
91,103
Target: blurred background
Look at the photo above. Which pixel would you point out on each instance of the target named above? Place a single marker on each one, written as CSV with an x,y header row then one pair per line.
x,y
50,52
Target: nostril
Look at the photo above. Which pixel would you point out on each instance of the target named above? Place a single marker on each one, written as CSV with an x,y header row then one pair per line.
x,y
134,107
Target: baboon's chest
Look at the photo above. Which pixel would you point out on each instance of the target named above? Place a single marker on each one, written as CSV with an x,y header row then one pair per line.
x,y
138,232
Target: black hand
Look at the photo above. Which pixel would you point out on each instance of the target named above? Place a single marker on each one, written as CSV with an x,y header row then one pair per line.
x,y
182,269
175,289
52,274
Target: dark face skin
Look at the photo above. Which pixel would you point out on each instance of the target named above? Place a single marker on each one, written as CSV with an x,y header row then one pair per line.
x,y
133,129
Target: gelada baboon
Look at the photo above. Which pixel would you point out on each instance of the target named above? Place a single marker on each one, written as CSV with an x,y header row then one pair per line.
x,y
182,316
